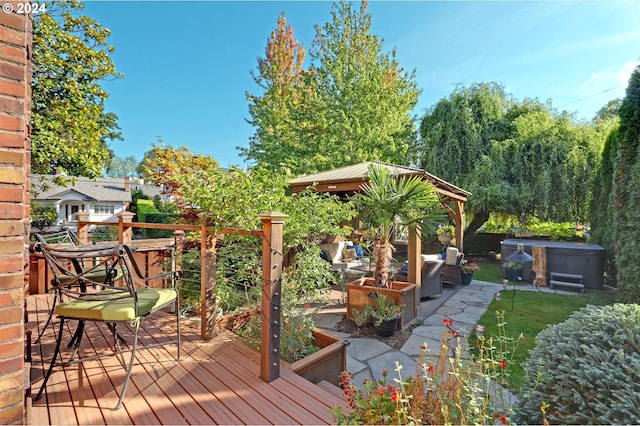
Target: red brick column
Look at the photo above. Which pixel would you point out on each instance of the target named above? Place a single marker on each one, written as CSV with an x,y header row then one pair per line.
x,y
15,148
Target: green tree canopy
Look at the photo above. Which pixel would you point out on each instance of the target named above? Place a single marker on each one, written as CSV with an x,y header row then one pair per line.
x,y
514,157
364,98
167,166
353,104
626,193
235,198
120,167
69,125
278,115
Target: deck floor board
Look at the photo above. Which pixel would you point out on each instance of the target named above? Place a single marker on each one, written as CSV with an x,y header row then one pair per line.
x,y
214,382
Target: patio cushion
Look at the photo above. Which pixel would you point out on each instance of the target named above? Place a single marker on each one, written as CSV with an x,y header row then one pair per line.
x,y
123,309
359,250
348,254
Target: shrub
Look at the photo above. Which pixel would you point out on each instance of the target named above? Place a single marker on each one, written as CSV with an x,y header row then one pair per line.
x,y
159,218
41,216
148,213
586,370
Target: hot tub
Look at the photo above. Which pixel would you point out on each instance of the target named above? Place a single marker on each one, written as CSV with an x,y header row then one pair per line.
x,y
575,258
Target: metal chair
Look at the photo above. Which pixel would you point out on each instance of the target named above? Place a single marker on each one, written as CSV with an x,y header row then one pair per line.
x,y
64,238
83,298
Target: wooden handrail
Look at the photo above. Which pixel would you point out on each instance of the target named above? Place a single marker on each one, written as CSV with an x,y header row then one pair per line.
x,y
178,226
272,257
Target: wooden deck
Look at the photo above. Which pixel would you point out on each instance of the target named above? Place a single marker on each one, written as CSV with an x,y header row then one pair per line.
x,y
214,382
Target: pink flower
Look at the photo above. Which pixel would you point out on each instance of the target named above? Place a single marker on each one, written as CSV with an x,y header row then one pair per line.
x,y
521,336
380,390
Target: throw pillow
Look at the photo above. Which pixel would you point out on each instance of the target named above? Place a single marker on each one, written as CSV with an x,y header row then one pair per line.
x,y
348,254
359,250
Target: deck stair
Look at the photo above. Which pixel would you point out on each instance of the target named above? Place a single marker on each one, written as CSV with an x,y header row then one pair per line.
x,y
566,280
330,387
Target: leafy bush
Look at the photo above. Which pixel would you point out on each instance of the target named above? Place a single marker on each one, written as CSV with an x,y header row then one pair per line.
x,y
143,207
159,218
147,212
41,216
105,233
586,370
305,283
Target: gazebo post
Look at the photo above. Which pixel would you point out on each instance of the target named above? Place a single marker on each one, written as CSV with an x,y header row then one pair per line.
x,y
459,220
414,248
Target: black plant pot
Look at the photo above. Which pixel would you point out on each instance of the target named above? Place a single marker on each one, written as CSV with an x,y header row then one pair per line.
x,y
387,327
513,274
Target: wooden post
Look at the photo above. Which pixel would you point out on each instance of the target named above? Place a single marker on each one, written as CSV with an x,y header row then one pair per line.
x,y
458,218
414,248
124,227
176,262
209,306
539,265
272,256
178,237
83,227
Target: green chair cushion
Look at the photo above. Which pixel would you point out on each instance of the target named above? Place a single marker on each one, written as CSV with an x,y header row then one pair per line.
x,y
99,307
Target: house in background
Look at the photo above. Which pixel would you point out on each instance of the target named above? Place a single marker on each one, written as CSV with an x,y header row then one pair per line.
x,y
103,198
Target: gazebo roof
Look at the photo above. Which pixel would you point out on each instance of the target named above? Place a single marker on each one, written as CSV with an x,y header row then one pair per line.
x,y
349,179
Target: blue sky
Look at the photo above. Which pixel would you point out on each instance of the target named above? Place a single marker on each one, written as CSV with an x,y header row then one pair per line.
x,y
187,65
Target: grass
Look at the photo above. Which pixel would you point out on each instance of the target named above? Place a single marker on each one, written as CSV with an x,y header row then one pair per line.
x,y
532,312
489,271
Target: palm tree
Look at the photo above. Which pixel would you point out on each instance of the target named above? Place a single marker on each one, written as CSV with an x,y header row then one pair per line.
x,y
388,201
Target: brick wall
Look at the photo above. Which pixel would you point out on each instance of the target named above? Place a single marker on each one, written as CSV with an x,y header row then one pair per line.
x,y
15,146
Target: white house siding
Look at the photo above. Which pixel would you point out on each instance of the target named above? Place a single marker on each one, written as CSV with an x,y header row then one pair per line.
x,y
103,198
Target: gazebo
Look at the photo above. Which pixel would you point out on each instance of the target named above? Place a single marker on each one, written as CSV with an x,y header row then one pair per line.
x,y
347,180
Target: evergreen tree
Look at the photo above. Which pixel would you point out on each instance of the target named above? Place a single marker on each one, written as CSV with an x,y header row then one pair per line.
x,y
626,193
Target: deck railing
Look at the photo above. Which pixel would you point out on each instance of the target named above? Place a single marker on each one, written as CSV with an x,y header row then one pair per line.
x,y
148,252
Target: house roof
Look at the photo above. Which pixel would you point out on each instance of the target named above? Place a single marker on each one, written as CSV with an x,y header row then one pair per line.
x,y
351,178
100,189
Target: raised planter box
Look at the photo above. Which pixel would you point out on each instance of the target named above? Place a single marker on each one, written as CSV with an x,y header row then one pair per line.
x,y
325,364
403,293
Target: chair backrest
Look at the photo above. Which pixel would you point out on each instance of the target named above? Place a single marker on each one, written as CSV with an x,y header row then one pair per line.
x,y
61,238
109,267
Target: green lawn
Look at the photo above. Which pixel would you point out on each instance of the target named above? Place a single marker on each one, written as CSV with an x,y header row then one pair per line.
x,y
489,271
532,312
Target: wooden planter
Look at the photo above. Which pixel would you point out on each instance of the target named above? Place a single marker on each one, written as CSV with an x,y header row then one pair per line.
x,y
403,293
327,363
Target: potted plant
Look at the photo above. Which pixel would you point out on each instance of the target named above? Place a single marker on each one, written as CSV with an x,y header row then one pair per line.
x,y
446,233
384,313
513,271
388,201
467,268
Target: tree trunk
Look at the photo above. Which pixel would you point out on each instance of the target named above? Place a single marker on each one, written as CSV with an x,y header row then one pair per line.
x,y
382,255
479,219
